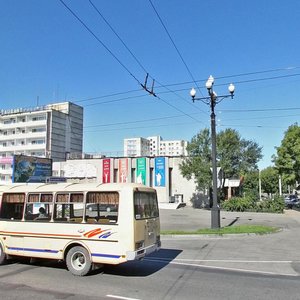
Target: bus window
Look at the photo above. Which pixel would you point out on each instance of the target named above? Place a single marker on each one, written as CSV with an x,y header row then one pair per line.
x,y
12,206
39,207
102,207
145,205
69,211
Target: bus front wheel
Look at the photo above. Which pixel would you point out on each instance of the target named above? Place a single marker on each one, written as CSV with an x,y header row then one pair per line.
x,y
78,261
2,255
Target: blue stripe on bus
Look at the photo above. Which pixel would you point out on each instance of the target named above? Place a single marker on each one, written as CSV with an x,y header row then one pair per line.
x,y
56,251
105,255
33,250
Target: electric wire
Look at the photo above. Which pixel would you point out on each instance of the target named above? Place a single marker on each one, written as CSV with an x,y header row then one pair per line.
x,y
134,122
134,56
188,82
118,36
98,39
176,48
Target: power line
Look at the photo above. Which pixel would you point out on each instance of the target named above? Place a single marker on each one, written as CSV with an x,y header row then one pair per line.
x,y
137,121
188,82
260,110
118,36
139,127
151,92
266,117
134,122
98,39
240,75
176,48
108,95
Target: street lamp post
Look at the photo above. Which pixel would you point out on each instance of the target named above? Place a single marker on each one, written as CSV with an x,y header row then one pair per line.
x,y
212,100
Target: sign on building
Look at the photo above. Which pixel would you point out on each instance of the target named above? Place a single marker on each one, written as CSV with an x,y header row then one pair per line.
x,y
123,170
141,170
106,171
31,168
160,171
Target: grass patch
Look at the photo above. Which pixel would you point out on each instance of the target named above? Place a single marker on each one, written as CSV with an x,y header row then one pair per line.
x,y
256,229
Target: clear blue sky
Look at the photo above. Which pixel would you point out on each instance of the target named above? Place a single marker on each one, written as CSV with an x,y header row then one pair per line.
x,y
48,56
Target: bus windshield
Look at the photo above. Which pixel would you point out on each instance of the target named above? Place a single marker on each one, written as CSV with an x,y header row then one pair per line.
x,y
145,205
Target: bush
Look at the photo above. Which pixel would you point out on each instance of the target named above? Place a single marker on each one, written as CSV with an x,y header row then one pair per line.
x,y
238,204
275,205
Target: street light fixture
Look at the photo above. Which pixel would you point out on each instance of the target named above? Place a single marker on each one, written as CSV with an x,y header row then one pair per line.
x,y
212,100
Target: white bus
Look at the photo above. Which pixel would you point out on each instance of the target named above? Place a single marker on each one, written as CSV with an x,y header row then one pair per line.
x,y
82,224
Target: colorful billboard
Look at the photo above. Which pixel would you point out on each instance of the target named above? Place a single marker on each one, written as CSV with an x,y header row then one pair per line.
x,y
106,171
141,170
123,170
160,171
31,168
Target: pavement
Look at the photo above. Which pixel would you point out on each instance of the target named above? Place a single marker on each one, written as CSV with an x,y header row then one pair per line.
x,y
276,254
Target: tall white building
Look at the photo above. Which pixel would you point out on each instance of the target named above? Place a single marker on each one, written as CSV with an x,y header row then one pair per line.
x,y
52,131
136,147
154,146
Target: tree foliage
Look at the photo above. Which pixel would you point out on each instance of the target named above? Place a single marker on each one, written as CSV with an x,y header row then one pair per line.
x,y
198,162
269,180
235,156
287,160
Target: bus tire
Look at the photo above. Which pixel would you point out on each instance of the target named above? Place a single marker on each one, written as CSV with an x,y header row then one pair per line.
x,y
78,261
2,255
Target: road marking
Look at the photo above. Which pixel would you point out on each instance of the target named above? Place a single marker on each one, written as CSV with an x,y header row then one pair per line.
x,y
225,260
235,269
121,297
185,263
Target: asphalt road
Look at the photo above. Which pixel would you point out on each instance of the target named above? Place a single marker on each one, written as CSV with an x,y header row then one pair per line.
x,y
187,267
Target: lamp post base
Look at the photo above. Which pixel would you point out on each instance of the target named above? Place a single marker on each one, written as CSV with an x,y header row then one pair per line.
x,y
215,218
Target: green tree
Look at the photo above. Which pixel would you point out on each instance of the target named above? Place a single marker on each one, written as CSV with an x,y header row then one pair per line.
x,y
198,162
251,183
269,180
287,160
235,156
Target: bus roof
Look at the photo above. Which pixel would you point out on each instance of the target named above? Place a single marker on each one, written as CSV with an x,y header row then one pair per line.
x,y
68,187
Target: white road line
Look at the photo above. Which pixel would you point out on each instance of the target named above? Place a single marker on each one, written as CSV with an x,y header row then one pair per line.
x,y
224,260
121,297
185,263
236,269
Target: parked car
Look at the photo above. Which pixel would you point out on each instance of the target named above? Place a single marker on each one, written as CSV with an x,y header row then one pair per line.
x,y
291,201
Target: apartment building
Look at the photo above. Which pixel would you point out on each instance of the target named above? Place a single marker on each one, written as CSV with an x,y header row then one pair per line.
x,y
154,146
173,148
51,131
136,147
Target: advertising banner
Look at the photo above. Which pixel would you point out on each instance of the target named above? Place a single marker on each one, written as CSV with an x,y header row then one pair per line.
x,y
141,170
106,171
31,168
123,170
6,160
160,171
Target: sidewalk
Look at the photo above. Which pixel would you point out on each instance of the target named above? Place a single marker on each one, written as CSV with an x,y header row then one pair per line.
x,y
188,218
272,254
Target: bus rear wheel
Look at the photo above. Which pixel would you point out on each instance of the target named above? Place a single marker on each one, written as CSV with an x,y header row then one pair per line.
x,y
2,255
78,261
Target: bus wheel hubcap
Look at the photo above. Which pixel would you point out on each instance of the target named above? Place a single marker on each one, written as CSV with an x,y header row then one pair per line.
x,y
78,261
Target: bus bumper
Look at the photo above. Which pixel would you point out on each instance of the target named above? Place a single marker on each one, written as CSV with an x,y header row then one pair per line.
x,y
141,253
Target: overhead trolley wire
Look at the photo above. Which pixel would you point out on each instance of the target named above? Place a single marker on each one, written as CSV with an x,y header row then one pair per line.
x,y
98,39
140,64
176,48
